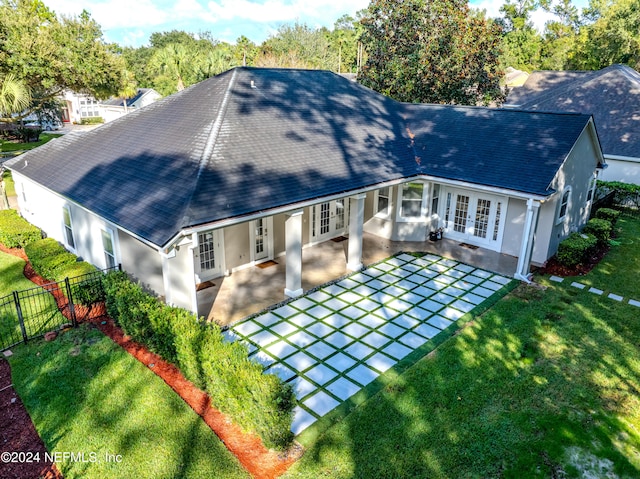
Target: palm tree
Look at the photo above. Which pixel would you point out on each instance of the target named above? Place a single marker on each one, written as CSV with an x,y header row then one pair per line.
x,y
14,97
173,60
128,88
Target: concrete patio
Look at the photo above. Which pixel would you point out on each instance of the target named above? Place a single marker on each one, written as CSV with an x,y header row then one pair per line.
x,y
253,289
333,342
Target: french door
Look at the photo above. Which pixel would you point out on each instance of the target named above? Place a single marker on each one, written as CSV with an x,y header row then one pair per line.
x,y
329,219
208,258
261,238
475,218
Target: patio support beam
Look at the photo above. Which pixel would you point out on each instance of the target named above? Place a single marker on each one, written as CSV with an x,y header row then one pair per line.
x,y
356,224
293,243
528,235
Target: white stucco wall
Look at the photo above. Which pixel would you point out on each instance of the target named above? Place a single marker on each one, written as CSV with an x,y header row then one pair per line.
x,y
626,170
44,209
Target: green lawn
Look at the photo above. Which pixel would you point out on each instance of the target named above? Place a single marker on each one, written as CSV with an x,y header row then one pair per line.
x,y
40,314
11,146
87,395
543,382
9,185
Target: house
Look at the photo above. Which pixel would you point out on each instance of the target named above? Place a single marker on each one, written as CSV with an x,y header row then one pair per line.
x,y
255,163
612,95
116,107
79,106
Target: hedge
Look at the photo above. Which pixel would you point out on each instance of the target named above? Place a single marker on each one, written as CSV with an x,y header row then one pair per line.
x,y
599,228
52,261
608,214
259,403
576,248
15,231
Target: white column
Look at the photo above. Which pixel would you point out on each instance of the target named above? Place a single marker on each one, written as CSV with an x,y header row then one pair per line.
x,y
356,222
293,242
528,234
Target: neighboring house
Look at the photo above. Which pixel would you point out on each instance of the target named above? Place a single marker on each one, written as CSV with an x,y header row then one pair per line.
x,y
611,95
115,107
78,107
256,163
514,78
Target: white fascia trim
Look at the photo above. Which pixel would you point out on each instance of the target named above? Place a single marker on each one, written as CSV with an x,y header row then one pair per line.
x,y
631,159
305,204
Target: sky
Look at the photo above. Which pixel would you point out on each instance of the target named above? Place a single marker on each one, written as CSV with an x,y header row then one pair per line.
x,y
130,22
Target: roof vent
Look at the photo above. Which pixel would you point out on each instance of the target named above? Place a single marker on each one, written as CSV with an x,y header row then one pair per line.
x,y
253,84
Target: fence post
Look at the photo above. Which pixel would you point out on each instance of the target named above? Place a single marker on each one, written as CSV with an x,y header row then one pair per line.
x,y
72,309
16,300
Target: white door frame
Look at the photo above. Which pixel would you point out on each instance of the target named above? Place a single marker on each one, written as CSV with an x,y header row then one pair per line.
x,y
266,237
208,252
333,216
480,204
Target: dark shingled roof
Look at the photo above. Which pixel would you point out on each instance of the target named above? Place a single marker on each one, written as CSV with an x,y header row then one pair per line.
x,y
251,140
130,101
611,95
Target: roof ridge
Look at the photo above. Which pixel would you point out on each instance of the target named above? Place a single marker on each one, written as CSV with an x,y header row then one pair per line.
x,y
207,151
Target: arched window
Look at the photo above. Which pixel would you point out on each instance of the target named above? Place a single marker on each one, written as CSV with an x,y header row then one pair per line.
x,y
564,204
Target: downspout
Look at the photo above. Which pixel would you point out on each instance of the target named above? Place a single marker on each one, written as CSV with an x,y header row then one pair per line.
x,y
526,249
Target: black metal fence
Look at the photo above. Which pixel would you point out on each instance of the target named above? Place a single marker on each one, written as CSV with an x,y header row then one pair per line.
x,y
33,312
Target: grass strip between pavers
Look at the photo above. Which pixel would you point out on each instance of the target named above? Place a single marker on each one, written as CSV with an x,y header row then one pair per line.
x,y
311,434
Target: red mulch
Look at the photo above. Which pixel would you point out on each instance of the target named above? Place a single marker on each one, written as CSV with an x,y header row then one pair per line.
x,y
252,454
553,267
17,434
254,457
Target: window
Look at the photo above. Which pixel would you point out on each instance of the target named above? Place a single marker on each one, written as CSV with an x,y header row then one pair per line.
x,y
68,227
383,206
434,199
89,107
108,247
592,187
564,204
411,205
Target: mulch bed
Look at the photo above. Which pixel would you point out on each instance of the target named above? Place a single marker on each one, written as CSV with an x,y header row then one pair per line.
x,y
17,434
553,267
260,462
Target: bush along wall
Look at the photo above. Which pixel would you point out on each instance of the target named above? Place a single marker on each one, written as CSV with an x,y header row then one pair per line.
x,y
260,403
575,249
600,228
608,214
52,261
15,231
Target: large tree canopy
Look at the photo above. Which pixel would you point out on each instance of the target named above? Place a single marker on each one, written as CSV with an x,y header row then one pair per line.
x,y
431,51
50,54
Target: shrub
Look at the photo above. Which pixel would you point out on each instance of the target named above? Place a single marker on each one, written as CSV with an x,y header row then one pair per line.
x,y
575,249
89,291
599,228
258,402
15,231
94,120
49,258
608,214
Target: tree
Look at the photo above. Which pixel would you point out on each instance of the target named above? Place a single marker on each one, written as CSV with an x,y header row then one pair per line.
x,y
614,36
431,51
50,54
296,46
14,97
521,44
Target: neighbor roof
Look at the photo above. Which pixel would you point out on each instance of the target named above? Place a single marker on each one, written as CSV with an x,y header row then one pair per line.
x,y
611,95
251,140
130,101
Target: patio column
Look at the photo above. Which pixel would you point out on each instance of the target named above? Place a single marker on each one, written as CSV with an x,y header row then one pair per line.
x,y
356,222
528,234
293,242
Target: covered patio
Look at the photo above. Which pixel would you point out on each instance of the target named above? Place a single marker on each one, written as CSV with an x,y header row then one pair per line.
x,y
253,289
